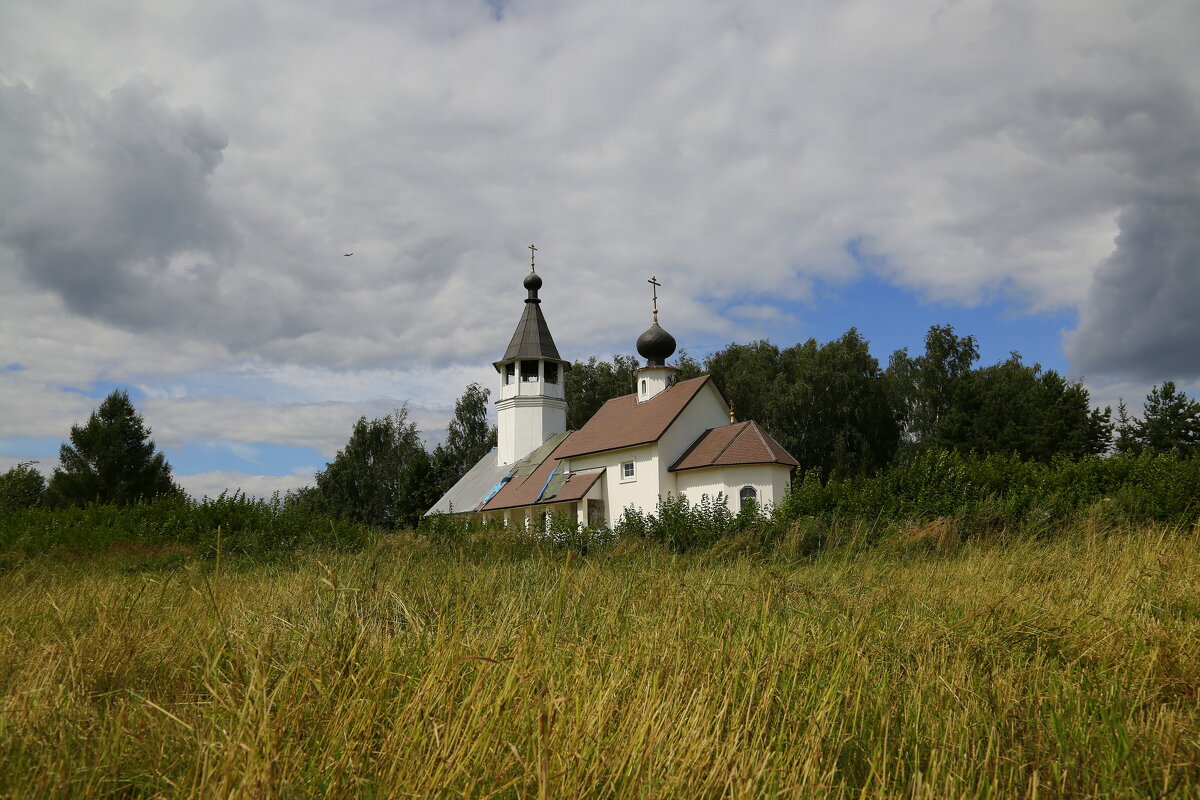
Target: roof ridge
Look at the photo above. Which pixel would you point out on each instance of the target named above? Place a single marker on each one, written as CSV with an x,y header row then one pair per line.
x,y
774,448
699,383
732,439
759,433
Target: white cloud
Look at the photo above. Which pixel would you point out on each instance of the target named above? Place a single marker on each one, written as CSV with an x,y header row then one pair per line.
x,y
323,426
211,484
180,180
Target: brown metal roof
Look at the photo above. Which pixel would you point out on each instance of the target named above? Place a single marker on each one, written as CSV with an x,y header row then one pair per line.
x,y
624,422
742,443
578,484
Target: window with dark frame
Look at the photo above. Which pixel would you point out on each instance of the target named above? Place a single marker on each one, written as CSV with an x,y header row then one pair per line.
x,y
748,496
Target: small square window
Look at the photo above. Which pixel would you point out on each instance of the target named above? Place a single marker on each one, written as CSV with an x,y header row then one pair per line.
x,y
627,470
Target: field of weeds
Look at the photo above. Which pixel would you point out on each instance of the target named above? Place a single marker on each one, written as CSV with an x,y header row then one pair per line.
x,y
919,668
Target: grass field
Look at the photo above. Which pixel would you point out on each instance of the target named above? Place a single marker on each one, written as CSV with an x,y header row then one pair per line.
x,y
916,668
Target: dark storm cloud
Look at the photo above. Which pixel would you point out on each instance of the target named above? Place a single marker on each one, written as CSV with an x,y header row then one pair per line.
x,y
1140,319
107,204
1142,316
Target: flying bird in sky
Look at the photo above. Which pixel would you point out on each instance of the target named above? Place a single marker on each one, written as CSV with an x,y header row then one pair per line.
x,y
347,254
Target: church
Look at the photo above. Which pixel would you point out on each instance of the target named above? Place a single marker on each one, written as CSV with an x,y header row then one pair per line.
x,y
667,438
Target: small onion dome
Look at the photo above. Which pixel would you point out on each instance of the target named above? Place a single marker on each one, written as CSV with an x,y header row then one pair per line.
x,y
532,282
656,346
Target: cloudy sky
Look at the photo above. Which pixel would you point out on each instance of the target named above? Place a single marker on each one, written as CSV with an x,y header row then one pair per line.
x,y
178,182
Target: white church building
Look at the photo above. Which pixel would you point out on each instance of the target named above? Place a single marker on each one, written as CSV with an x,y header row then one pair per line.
x,y
667,438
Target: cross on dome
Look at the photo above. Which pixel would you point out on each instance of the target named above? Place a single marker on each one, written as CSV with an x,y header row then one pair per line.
x,y
655,345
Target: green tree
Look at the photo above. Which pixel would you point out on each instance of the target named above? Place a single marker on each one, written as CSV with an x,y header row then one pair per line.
x,y
468,437
111,459
1170,422
1126,441
1017,408
687,366
925,387
21,487
745,374
382,476
591,384
830,406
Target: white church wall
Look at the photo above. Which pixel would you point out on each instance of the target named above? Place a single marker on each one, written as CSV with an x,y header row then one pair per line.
x,y
641,491
652,380
524,424
770,482
707,410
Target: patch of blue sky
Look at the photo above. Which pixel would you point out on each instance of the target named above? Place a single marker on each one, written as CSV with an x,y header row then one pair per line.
x,y
13,367
24,448
258,458
891,317
101,389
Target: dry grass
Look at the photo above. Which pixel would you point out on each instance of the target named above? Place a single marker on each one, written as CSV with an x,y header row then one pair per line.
x,y
1063,669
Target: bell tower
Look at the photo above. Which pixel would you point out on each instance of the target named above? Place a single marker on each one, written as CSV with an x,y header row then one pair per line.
x,y
532,405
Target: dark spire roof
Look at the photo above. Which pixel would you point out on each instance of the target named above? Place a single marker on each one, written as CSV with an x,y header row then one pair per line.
x,y
532,339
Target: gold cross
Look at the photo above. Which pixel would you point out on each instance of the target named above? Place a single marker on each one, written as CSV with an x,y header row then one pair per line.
x,y
654,282
532,253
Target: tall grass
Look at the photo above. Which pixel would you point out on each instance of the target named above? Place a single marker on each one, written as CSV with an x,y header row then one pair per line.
x,y
503,666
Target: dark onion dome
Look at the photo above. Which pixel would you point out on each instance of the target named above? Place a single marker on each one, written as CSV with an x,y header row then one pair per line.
x,y
656,346
532,282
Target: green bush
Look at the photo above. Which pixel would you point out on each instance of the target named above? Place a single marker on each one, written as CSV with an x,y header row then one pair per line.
x,y
1000,490
21,487
235,522
682,526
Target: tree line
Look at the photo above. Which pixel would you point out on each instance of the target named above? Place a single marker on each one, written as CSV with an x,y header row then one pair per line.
x,y
832,405
384,476
841,412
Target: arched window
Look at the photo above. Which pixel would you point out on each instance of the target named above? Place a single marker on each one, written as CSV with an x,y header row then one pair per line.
x,y
643,385
748,496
